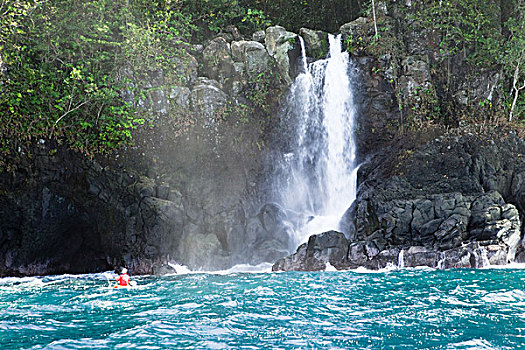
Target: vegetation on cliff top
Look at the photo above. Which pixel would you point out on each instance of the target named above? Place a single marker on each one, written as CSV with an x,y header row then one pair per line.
x,y
460,40
64,63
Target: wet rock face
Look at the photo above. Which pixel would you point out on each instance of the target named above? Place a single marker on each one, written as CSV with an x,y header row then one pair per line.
x,y
217,60
73,215
409,79
440,221
42,229
447,204
316,42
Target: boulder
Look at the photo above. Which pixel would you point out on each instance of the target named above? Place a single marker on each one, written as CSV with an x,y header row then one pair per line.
x,y
421,256
322,249
259,36
230,33
278,43
268,233
292,262
217,60
253,55
186,68
206,97
316,42
200,249
163,269
180,96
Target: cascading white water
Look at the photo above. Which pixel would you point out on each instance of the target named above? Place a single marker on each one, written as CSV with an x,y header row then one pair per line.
x,y
401,259
485,262
320,172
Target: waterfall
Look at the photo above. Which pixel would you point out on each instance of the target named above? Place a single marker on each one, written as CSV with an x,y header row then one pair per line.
x,y
401,259
484,258
441,261
318,181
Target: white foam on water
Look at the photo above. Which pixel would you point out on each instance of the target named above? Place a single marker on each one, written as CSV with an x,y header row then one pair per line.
x,y
230,303
513,296
477,344
513,265
329,267
388,268
244,268
180,269
240,268
14,283
260,290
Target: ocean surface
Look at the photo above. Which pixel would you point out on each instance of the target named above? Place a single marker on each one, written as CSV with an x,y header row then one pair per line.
x,y
395,309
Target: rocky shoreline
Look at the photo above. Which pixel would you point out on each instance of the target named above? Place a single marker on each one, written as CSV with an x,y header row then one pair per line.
x,y
333,249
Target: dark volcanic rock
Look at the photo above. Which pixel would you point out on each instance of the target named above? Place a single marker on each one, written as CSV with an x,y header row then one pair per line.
x,y
321,250
453,202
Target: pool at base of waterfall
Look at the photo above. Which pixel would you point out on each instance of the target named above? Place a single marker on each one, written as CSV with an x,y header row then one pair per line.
x,y
401,309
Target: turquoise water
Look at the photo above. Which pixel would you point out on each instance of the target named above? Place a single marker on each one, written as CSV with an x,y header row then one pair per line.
x,y
401,309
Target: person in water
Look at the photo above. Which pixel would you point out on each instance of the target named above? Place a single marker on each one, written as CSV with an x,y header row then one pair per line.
x,y
123,278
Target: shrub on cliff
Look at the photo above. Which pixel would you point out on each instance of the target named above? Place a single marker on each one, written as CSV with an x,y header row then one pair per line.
x,y
65,64
471,53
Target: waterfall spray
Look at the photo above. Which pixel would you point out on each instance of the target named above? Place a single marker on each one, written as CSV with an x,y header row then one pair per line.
x,y
319,181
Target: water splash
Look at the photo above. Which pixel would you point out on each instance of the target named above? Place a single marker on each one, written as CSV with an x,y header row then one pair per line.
x,y
485,262
319,180
441,262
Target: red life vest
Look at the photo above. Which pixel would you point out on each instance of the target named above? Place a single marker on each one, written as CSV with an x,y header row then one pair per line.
x,y
123,279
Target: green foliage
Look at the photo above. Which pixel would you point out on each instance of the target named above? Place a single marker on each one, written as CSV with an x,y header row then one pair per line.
x,y
73,67
514,62
263,88
211,16
353,44
481,35
255,20
235,113
65,62
472,28
484,35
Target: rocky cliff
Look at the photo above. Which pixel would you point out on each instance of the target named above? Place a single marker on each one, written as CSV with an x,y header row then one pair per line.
x,y
428,195
194,187
452,202
188,191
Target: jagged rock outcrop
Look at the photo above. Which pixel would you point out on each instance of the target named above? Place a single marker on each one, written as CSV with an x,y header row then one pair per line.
x,y
217,60
453,202
316,42
329,248
409,79
279,42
